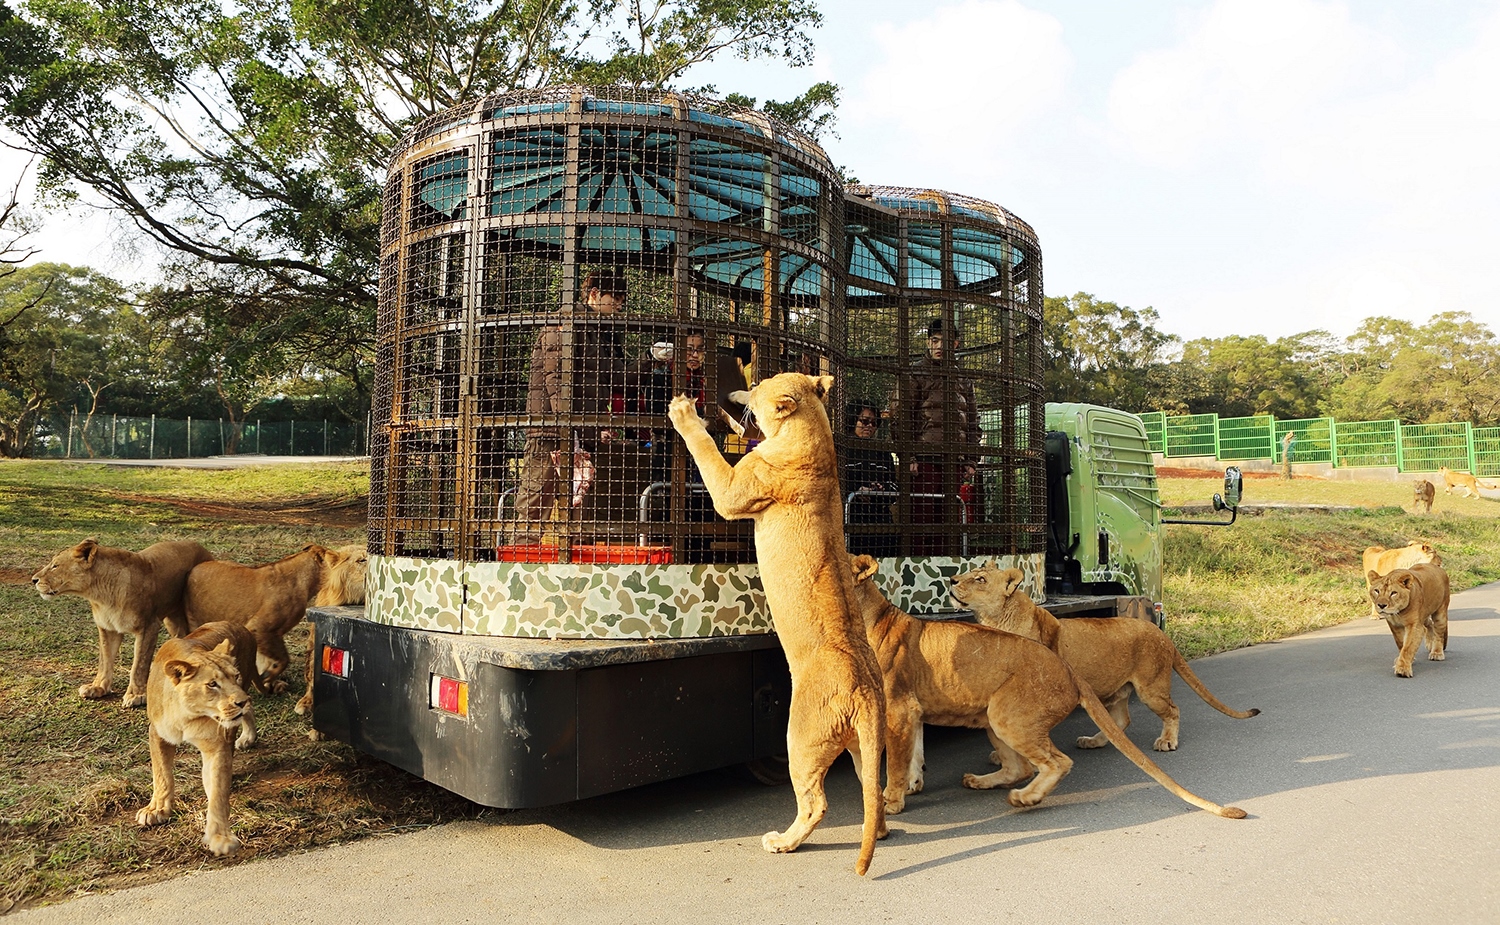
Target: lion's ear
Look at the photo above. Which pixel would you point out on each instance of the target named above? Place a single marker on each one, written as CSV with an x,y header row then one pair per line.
x,y
823,387
785,406
180,671
864,567
1406,579
84,552
225,648
991,563
1373,576
1013,579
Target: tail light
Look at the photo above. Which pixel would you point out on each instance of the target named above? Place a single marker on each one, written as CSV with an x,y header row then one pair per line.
x,y
336,662
449,696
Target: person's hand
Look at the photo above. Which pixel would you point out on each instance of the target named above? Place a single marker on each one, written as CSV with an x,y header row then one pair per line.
x,y
606,436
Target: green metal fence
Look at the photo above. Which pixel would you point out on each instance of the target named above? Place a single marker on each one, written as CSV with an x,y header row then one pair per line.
x,y
1192,435
1156,433
119,437
1486,451
1343,444
1425,447
1312,439
1247,438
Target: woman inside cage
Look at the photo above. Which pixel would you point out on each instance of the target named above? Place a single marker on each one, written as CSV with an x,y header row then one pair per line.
x,y
867,476
557,470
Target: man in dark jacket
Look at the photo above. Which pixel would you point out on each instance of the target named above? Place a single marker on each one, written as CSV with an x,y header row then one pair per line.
x,y
923,415
593,379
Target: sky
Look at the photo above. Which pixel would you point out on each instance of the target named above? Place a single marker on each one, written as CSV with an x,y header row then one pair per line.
x,y
1241,166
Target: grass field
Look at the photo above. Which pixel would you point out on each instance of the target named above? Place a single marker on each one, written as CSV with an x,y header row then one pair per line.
x,y
73,772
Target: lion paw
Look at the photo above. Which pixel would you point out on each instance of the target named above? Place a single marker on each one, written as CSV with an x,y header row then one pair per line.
x,y
1020,798
894,802
683,411
977,782
221,845
277,687
316,736
776,843
1437,657
152,815
914,785
130,701
1095,741
1164,745
247,738
1403,672
93,692
304,706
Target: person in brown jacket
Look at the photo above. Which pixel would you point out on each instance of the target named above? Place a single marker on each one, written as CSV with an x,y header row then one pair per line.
x,y
595,380
922,415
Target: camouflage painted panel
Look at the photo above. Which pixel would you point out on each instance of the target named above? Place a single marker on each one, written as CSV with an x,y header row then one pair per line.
x,y
584,601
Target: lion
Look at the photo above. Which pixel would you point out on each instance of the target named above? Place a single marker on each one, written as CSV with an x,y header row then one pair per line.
x,y
1113,655
268,600
128,592
196,695
959,674
789,486
1461,480
345,585
1414,603
1422,495
1382,561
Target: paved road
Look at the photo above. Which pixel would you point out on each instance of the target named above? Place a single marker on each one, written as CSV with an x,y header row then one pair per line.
x,y
1372,799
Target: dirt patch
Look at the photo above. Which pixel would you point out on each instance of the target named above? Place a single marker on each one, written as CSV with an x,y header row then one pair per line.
x,y
14,576
340,512
1177,472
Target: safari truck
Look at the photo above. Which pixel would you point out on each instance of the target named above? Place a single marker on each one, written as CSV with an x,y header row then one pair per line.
x,y
554,611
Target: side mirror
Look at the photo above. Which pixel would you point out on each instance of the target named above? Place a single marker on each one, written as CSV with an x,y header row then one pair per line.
x,y
1234,485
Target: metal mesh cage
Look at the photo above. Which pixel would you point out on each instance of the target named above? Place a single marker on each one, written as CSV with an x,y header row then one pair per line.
x,y
944,308
556,264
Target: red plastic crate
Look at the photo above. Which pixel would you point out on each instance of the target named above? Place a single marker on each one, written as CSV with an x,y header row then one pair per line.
x,y
527,552
622,554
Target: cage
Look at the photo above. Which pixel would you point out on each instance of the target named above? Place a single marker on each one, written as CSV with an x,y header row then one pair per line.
x,y
557,263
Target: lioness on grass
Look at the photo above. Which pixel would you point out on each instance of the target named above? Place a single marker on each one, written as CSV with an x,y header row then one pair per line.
x,y
128,592
788,485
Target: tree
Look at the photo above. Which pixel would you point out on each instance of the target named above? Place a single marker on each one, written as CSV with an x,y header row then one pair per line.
x,y
1104,353
1445,370
1239,376
251,139
67,349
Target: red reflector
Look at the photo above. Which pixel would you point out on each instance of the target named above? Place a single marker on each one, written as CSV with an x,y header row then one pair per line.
x,y
449,695
336,662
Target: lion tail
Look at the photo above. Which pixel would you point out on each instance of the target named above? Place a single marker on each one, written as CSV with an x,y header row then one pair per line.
x,y
1100,715
869,726
1180,665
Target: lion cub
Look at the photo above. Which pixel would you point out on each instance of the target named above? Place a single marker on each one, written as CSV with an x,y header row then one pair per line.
x,y
958,674
1422,495
1111,654
1414,603
1463,481
128,592
268,600
789,485
1378,560
196,695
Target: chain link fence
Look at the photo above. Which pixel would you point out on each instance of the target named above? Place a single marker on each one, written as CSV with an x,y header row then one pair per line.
x,y
113,436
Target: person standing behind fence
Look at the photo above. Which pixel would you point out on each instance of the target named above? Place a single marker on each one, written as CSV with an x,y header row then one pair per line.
x,y
868,480
596,375
922,415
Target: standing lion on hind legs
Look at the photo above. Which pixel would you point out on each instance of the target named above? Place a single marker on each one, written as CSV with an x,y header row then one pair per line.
x,y
957,674
789,487
128,592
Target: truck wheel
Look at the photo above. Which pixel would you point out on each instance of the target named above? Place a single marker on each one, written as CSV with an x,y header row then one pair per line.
x,y
771,770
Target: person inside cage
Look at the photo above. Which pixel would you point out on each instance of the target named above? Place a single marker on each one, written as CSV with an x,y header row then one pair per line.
x,y
557,470
922,415
867,476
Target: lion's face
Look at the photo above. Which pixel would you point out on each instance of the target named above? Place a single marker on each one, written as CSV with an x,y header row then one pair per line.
x,y
987,586
69,572
781,398
208,684
1391,594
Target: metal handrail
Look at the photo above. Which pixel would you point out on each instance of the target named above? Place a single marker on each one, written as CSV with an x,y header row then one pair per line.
x,y
887,493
